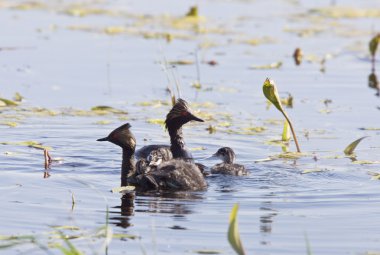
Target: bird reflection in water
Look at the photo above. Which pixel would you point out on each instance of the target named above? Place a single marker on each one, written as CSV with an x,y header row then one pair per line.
x,y
125,210
266,219
178,204
373,82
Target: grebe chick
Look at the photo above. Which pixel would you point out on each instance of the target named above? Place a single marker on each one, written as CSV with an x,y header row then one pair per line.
x,y
175,175
178,116
228,167
155,158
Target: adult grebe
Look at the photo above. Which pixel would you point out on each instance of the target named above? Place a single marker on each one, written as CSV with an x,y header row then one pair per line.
x,y
178,116
175,174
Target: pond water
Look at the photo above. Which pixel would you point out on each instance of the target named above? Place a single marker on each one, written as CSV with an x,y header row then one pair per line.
x,y
65,57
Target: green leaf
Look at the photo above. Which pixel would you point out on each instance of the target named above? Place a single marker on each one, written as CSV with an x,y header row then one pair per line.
x,y
286,132
71,249
233,232
32,144
271,93
103,109
123,189
275,65
351,147
193,12
207,252
17,97
373,45
156,121
66,227
8,102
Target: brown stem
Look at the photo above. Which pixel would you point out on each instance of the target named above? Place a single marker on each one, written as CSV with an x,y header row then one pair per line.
x,y
292,129
47,159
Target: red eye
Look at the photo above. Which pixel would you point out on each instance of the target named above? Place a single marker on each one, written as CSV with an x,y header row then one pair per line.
x,y
184,113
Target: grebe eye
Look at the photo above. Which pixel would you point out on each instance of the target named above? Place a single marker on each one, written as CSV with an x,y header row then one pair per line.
x,y
184,113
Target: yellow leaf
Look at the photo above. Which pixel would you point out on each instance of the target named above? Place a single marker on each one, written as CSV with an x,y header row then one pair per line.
x,y
123,189
286,132
8,102
156,121
233,232
351,147
274,65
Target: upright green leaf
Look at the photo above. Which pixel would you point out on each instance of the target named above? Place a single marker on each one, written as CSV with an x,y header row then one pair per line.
x,y
351,147
233,232
286,132
270,92
373,45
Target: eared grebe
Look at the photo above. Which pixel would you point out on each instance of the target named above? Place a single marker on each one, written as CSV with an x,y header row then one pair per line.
x,y
179,115
122,137
228,166
173,174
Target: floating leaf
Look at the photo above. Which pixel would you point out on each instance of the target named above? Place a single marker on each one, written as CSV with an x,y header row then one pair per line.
x,y
346,12
29,6
290,155
270,92
103,122
66,227
102,109
207,252
123,189
370,128
113,30
9,123
8,102
181,62
351,147
198,149
365,162
32,144
156,121
85,11
196,85
154,103
274,65
375,176
315,170
233,232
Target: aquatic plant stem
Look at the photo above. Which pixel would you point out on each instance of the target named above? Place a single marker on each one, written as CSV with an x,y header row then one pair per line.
x,y
292,129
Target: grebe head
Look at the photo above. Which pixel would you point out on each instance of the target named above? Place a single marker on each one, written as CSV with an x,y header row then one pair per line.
x,y
180,114
226,154
122,137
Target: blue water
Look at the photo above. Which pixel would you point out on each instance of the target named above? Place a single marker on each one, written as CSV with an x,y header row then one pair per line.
x,y
62,69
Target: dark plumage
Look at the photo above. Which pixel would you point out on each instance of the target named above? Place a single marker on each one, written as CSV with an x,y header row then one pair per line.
x,y
228,167
178,116
177,175
174,174
155,158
